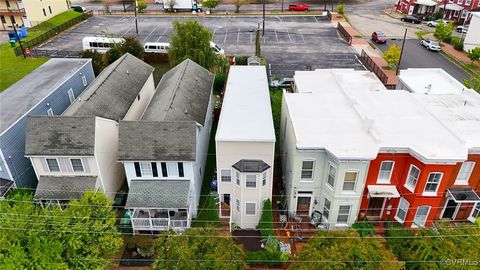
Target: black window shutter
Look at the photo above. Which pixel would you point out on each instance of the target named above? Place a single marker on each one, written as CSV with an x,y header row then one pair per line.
x,y
180,169
154,169
137,169
164,169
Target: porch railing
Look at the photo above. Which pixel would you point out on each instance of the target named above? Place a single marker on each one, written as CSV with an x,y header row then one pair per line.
x,y
158,224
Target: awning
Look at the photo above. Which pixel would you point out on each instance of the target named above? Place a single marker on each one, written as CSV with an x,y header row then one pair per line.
x,y
63,188
383,191
463,195
453,7
428,3
158,194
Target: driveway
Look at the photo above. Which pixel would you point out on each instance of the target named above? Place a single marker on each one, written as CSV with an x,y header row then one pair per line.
x,y
416,56
290,42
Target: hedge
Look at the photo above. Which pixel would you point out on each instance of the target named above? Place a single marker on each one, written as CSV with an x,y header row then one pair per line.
x,y
265,225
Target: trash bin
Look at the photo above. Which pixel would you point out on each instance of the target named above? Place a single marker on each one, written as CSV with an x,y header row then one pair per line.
x,y
12,43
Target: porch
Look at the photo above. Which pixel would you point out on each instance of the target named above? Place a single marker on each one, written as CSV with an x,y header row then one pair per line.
x,y
160,219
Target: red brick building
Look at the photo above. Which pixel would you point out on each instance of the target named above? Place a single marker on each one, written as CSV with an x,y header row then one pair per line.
x,y
455,10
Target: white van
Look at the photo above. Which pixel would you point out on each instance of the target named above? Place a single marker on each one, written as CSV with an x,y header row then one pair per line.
x,y
100,44
156,47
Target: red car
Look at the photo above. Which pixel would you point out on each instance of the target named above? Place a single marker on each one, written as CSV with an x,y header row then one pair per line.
x,y
379,37
298,7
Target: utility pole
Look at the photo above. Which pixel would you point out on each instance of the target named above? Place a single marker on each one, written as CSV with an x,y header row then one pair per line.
x,y
401,51
282,6
19,41
263,29
136,23
332,5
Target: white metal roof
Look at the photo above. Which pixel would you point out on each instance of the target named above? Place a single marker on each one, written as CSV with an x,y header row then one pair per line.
x,y
246,111
429,81
351,115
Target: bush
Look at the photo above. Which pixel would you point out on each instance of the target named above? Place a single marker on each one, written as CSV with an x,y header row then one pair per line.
x,y
265,225
264,258
78,9
341,9
241,60
448,39
219,83
97,60
364,228
457,44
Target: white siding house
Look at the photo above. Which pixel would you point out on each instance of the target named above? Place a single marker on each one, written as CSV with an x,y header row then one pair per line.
x,y
245,145
472,38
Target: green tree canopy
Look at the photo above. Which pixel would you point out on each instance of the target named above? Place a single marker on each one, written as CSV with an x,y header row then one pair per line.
x,y
97,60
265,225
131,45
191,40
141,5
210,4
444,30
474,54
198,249
392,55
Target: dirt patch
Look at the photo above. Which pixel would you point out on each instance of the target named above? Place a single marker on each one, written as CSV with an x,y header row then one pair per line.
x,y
249,239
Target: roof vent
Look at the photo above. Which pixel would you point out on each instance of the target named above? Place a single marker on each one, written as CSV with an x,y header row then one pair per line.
x,y
196,78
128,72
465,103
186,111
429,88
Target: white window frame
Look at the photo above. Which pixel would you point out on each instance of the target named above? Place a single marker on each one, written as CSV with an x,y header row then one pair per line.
x,y
326,209
468,2
348,215
408,185
237,205
48,165
246,180
399,208
417,225
84,80
238,178
459,2
331,166
50,112
385,180
354,184
71,95
432,193
81,162
146,169
229,176
172,169
462,173
251,215
475,212
264,179
310,179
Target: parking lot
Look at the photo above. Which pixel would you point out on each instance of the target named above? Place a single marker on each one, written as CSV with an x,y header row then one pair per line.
x,y
289,43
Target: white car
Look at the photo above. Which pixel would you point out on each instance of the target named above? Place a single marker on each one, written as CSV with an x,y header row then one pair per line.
x,y
434,23
462,29
283,83
431,45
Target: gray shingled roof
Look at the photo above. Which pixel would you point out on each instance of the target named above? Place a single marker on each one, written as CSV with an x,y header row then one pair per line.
x,y
251,165
60,135
22,96
183,94
158,194
63,187
112,93
152,140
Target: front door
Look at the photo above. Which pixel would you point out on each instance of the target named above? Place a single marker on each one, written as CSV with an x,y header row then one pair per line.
x,y
303,206
375,206
225,205
450,208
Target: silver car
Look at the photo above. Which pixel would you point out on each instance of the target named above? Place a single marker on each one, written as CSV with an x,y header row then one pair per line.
x,y
283,83
431,45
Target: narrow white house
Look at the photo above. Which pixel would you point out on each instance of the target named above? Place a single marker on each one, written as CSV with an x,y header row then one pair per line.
x,y
164,153
472,37
245,146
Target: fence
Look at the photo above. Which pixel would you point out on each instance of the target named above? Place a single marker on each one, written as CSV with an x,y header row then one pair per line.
x,y
372,66
329,15
344,33
52,32
54,53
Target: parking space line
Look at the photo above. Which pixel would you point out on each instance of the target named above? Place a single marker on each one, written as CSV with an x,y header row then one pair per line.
x,y
225,38
214,30
158,39
238,34
251,37
315,17
301,35
276,36
145,39
289,37
126,32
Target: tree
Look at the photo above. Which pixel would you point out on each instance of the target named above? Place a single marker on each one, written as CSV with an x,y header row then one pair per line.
x,y
131,45
191,40
344,250
341,9
239,3
97,60
473,83
265,225
444,31
258,52
211,4
198,249
141,5
392,55
474,54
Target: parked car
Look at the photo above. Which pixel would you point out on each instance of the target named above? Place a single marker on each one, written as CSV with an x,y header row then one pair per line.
x,y
379,37
298,7
431,45
411,19
462,29
77,8
283,83
435,22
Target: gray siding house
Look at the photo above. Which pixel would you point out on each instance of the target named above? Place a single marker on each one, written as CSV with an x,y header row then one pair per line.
x,y
164,153
48,90
77,151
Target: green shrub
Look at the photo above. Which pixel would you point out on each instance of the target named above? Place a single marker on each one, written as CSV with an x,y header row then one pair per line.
x,y
264,258
457,44
364,228
447,39
265,225
241,60
219,83
78,9
341,9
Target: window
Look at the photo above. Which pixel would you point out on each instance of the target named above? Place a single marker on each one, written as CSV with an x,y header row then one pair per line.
x,y
433,182
180,169
7,3
50,9
138,97
77,165
154,169
84,80
237,204
459,2
402,210
326,209
138,173
250,209
464,173
349,181
226,175
237,177
251,180
307,170
50,112
264,179
421,216
71,95
44,13
172,169
385,173
476,212
146,169
332,171
3,19
164,169
412,178
53,165
343,213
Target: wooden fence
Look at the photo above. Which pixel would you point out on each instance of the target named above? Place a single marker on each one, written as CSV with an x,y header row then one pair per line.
x,y
344,33
372,66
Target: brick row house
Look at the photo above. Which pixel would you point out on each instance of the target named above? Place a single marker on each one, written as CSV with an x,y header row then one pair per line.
x,y
374,153
455,10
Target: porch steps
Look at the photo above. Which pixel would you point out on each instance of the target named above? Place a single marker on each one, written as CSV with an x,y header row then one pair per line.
x,y
225,223
379,228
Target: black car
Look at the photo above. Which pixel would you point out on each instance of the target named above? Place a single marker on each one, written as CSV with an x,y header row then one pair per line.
x,y
411,19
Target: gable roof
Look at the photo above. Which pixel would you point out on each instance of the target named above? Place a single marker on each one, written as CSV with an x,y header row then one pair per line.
x,y
183,94
22,96
60,135
112,93
158,194
154,140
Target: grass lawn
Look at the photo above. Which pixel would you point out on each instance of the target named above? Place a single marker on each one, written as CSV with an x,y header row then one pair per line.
x,y
52,22
276,101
